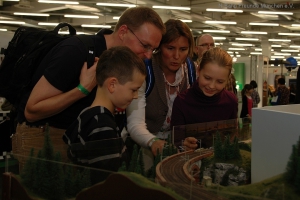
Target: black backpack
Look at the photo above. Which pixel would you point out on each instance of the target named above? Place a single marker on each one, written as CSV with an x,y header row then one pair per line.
x,y
25,52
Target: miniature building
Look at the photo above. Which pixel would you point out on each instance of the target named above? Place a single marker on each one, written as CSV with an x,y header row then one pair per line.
x,y
207,181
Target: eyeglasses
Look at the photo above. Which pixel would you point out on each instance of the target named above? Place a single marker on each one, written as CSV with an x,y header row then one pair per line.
x,y
207,45
146,47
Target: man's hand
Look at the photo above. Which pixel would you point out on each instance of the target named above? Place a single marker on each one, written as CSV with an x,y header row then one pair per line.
x,y
158,144
190,143
88,76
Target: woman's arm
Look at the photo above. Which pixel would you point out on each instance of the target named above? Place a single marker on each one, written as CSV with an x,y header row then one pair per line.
x,y
136,122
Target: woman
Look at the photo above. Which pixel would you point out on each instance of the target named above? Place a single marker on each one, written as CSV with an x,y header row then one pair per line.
x,y
207,100
148,120
247,101
254,95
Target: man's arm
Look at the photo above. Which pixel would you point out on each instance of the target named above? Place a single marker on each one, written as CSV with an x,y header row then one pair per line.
x,y
45,100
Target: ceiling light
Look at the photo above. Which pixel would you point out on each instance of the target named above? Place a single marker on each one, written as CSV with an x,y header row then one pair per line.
x,y
116,5
47,24
289,50
249,39
32,14
67,32
58,2
265,17
236,49
172,7
256,53
239,44
216,43
117,18
294,46
219,38
275,13
216,31
295,24
258,49
223,10
231,1
95,26
294,34
11,22
263,24
3,29
296,57
277,56
282,54
275,45
186,20
82,16
229,52
279,40
219,22
254,32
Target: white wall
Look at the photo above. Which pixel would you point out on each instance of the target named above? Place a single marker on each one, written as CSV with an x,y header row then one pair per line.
x,y
5,37
275,129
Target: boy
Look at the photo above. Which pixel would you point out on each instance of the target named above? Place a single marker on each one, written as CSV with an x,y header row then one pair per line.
x,y
94,139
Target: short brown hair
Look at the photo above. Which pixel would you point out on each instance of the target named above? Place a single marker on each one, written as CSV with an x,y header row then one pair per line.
x,y
218,56
137,16
175,29
119,62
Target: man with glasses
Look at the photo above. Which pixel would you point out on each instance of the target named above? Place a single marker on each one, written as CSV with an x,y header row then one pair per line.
x,y
203,43
64,85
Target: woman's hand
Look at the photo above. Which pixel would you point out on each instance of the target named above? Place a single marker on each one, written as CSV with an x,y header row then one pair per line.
x,y
158,144
190,143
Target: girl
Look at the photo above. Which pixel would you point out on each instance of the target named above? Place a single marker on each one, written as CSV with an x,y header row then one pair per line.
x,y
207,100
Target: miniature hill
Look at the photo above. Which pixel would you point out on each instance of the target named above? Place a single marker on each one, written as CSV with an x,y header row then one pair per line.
x,y
273,188
127,185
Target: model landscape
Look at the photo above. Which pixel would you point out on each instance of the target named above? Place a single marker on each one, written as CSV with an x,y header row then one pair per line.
x,y
231,159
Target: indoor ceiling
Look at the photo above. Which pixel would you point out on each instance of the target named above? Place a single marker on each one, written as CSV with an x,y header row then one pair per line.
x,y
198,14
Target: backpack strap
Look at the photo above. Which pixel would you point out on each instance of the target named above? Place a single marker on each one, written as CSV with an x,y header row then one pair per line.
x,y
191,70
150,77
89,43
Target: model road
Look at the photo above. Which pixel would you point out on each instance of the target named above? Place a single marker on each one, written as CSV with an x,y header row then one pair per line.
x,y
172,171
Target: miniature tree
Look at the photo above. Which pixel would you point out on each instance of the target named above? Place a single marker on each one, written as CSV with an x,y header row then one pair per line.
x,y
218,148
227,148
56,182
123,167
85,178
134,157
236,148
39,170
292,174
76,183
28,171
69,181
141,164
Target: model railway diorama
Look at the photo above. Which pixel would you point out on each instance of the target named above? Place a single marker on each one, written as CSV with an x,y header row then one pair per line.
x,y
219,169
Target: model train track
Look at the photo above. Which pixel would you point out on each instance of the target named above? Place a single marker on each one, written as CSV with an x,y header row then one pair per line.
x,y
170,172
